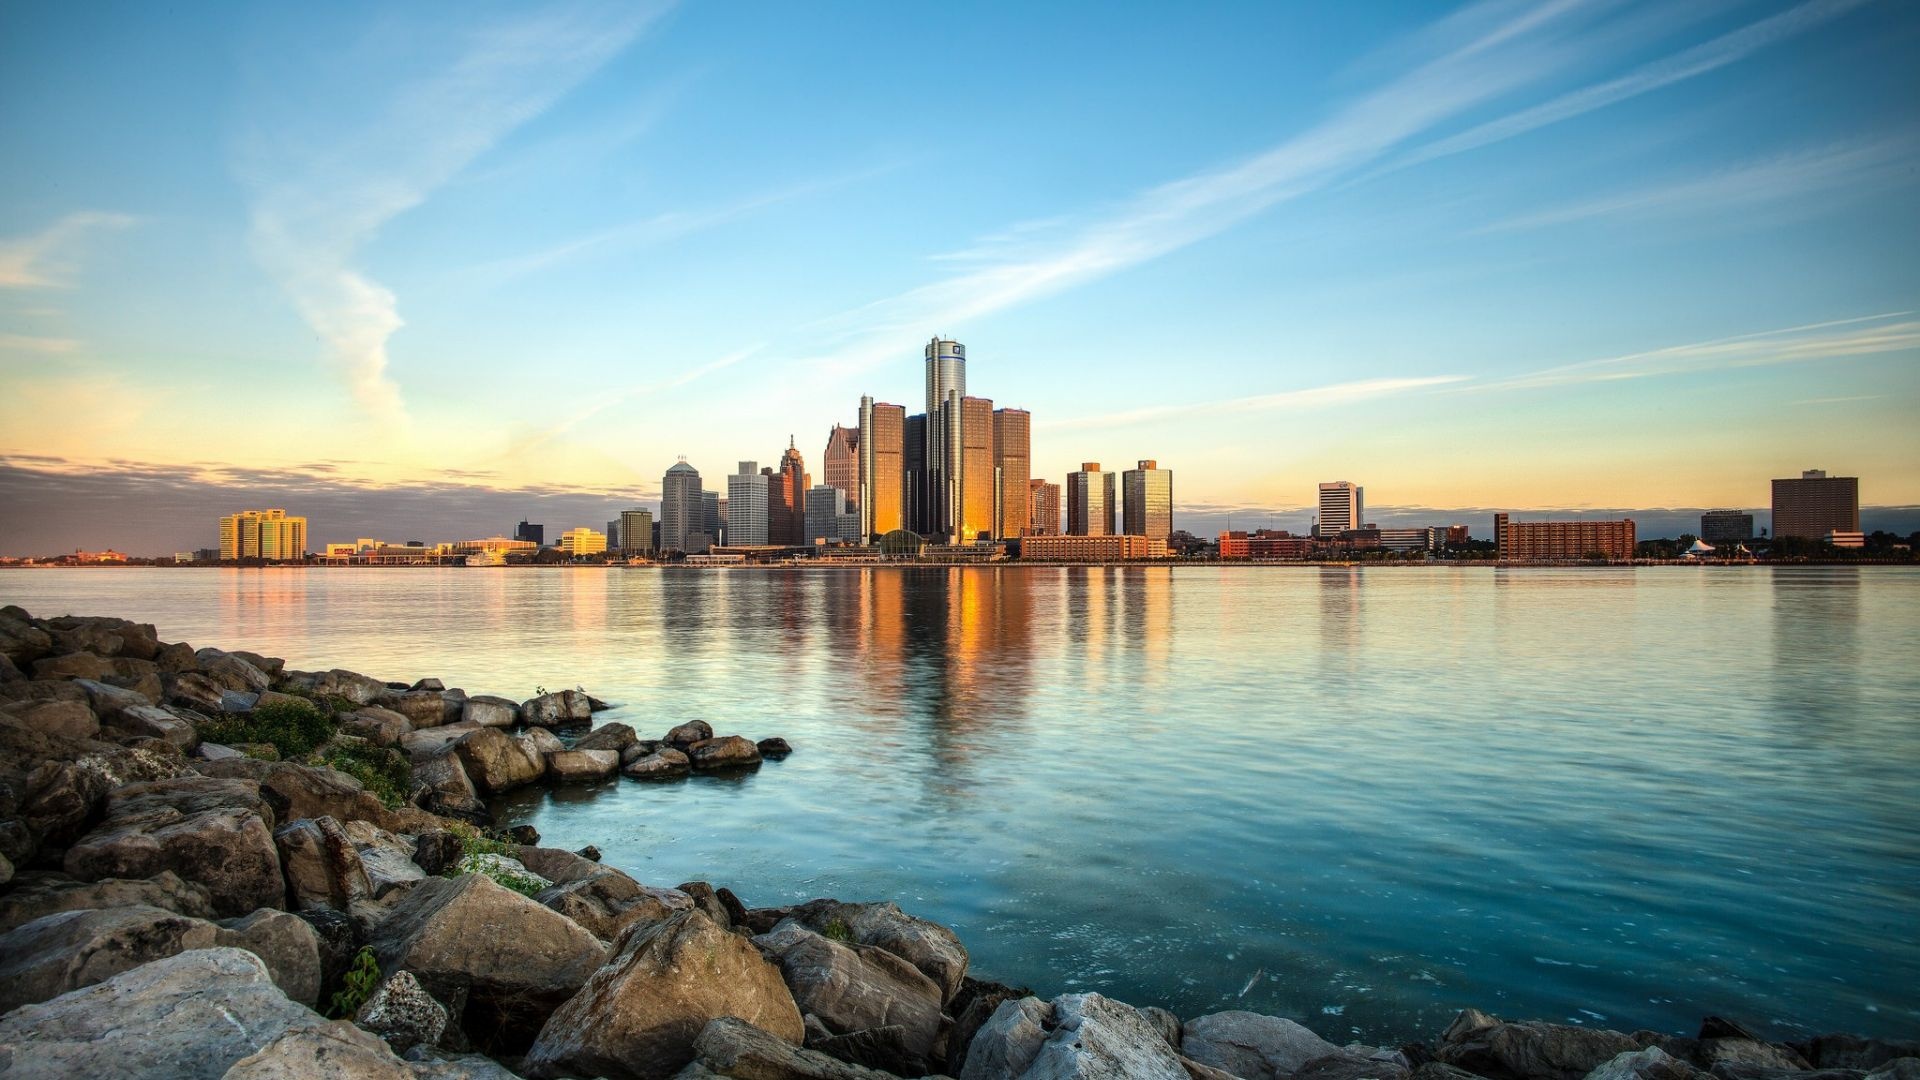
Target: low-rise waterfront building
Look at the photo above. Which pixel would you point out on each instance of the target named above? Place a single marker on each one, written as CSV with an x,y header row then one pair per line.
x,y
583,541
1725,527
1110,547
1561,541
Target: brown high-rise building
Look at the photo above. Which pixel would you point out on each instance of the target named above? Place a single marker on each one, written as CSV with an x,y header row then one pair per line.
x,y
842,462
1013,465
1090,501
1043,508
1526,541
979,494
1816,504
787,500
881,493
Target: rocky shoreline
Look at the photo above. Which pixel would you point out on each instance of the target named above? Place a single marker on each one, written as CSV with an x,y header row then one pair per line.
x,y
212,865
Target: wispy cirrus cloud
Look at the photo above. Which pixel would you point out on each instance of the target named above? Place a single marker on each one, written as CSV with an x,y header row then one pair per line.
x,y
1835,339
40,346
1689,63
48,259
1315,397
1850,166
347,150
1505,49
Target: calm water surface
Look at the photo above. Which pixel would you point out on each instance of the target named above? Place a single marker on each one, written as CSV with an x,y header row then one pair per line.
x,y
1360,798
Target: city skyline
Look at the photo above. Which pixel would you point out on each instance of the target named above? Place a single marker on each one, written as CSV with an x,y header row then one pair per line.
x,y
1492,259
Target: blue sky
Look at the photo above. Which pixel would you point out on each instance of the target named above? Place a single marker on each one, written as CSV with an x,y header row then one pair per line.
x,y
1579,254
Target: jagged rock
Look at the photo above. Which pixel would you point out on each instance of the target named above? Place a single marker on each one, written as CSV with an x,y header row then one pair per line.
x,y
273,666
66,951
351,685
303,791
581,766
732,1047
665,763
386,857
687,734
525,835
108,701
103,635
774,748
428,684
853,988
706,899
156,722
176,658
188,1017
77,665
638,1016
229,672
59,719
322,866
22,642
486,710
192,690
539,742
971,1007
216,832
436,849
1349,1066
1651,1063
424,744
1841,1051
288,944
381,727
927,945
338,1050
1535,1051
1251,1045
1163,1021
562,708
496,762
725,752
515,959
614,737
402,1012
422,708
559,865
453,705
1738,1050
1075,1035
36,894
589,853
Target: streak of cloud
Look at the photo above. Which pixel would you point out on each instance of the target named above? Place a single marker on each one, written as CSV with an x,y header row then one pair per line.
x,y
376,145
1316,397
46,259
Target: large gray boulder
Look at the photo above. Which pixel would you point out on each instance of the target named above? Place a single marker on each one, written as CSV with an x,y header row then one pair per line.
x,y
615,737
856,988
287,944
1532,1050
927,945
212,831
386,857
58,953
337,1051
685,735
1085,1036
422,708
514,959
725,752
381,727
302,791
582,766
496,762
485,710
1652,1063
608,902
665,763
351,685
562,708
1251,1045
321,864
39,893
186,1017
60,719
637,1017
230,672
157,722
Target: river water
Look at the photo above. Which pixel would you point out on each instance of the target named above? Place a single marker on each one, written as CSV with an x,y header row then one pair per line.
x,y
1362,798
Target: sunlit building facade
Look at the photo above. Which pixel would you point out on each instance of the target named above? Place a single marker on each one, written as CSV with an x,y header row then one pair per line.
x,y
786,500
1090,501
747,511
1560,541
881,495
979,492
1342,508
840,464
636,532
1092,548
682,506
1013,470
583,541
269,535
1043,508
1147,500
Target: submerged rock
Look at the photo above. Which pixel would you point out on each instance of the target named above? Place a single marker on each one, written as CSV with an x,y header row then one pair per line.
x,y
582,766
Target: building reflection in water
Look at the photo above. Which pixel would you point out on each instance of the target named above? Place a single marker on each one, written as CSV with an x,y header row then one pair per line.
x,y
263,604
1816,644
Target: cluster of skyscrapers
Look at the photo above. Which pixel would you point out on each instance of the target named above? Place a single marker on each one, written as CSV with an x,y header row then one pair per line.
x,y
959,472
